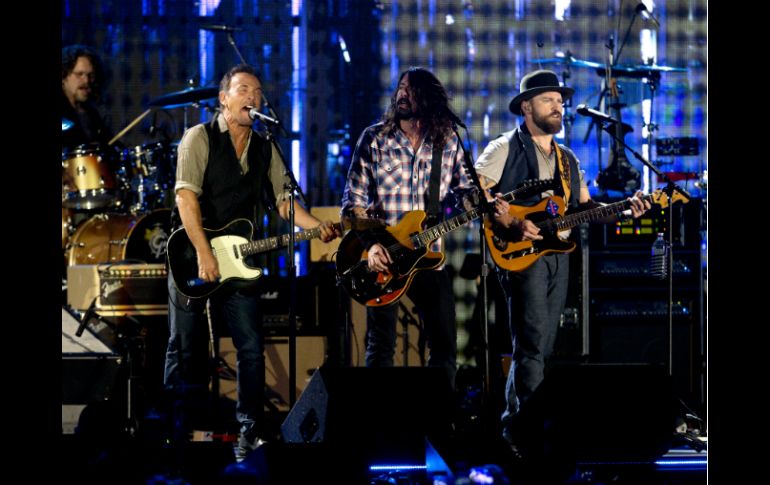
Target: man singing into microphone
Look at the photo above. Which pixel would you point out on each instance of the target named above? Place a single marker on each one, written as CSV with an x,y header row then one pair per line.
x,y
535,296
225,171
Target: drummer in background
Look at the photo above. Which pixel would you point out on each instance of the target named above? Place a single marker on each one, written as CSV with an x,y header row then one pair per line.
x,y
81,80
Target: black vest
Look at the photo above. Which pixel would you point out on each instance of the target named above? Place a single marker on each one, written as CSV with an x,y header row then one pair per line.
x,y
228,194
521,165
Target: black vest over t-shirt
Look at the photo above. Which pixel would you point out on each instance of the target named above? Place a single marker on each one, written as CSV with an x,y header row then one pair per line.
x,y
521,165
229,194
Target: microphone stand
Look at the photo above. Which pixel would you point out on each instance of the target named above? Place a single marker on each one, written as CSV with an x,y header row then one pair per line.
x,y
485,208
231,40
671,187
269,106
293,188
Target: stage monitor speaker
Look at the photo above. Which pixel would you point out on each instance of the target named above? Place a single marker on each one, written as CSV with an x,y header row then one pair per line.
x,y
599,412
89,370
387,411
311,352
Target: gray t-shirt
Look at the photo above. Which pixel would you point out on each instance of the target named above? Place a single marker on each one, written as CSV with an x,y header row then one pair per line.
x,y
492,161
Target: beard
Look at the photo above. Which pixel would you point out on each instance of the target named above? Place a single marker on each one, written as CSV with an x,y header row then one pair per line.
x,y
548,124
404,111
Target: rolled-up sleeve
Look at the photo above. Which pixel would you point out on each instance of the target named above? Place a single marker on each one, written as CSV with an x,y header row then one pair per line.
x,y
192,157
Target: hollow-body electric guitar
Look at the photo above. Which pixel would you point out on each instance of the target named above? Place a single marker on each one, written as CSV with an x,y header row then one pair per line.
x,y
549,216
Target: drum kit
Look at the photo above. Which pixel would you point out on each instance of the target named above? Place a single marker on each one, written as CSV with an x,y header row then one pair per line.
x,y
619,174
116,203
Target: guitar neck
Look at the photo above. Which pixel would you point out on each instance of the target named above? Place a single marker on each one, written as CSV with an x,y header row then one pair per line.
x,y
264,245
572,220
432,233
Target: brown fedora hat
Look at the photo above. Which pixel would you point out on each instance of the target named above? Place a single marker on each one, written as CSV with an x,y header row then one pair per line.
x,y
537,82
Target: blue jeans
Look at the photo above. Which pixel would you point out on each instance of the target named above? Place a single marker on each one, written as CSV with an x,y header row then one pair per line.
x,y
432,292
188,362
535,298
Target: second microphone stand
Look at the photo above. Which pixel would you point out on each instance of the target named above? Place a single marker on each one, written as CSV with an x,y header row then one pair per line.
x,y
485,208
671,187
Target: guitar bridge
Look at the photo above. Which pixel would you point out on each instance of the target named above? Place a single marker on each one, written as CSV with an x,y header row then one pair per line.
x,y
520,253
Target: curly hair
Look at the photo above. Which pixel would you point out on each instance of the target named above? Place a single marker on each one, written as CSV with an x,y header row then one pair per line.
x,y
432,102
69,57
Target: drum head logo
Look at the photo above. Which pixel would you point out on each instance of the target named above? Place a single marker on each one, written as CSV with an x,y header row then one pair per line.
x,y
156,238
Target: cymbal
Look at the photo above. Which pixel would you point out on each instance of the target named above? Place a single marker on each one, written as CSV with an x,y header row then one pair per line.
x,y
640,70
185,96
66,124
567,60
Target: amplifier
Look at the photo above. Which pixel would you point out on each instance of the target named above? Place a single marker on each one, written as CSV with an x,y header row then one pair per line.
x,y
640,309
119,289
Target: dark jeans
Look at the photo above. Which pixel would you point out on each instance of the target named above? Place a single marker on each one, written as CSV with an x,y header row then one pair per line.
x,y
536,299
432,292
188,364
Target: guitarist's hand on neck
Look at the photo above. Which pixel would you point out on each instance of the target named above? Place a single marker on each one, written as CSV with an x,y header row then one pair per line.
x,y
638,205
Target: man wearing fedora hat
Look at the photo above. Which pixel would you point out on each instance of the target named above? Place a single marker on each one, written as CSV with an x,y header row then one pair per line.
x,y
535,296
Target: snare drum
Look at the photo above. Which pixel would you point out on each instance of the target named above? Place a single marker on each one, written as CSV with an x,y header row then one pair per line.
x,y
109,238
87,179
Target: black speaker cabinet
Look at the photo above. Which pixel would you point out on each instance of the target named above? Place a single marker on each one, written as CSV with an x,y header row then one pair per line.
x,y
605,412
392,410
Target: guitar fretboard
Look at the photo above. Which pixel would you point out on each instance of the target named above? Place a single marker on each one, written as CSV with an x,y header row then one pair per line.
x,y
572,220
263,245
429,235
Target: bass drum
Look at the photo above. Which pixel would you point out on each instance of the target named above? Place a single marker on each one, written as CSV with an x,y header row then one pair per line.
x,y
111,238
65,226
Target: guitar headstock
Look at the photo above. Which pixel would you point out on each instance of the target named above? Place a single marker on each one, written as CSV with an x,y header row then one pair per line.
x,y
662,199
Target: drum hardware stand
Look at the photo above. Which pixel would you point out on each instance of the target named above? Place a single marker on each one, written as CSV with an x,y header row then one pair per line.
x,y
130,125
128,346
134,343
568,116
652,127
406,319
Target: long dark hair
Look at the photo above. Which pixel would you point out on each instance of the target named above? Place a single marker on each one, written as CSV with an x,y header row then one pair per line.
x,y
69,57
432,101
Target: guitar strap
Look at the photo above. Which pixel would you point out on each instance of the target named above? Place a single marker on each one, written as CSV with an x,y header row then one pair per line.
x,y
563,163
434,188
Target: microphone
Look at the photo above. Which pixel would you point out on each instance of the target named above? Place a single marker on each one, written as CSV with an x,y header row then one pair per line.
x,y
641,9
598,116
254,114
86,317
455,119
220,28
